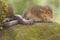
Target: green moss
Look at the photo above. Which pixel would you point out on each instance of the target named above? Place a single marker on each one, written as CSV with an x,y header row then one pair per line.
x,y
3,10
37,31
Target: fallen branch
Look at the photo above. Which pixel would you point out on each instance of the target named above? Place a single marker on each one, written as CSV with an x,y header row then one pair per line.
x,y
18,19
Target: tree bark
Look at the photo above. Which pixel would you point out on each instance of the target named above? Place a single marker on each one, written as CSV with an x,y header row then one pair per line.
x,y
18,19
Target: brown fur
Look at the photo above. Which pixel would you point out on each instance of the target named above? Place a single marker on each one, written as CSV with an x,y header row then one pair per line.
x,y
36,11
10,11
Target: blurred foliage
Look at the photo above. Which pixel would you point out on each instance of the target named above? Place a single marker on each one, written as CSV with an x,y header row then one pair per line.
x,y
20,5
